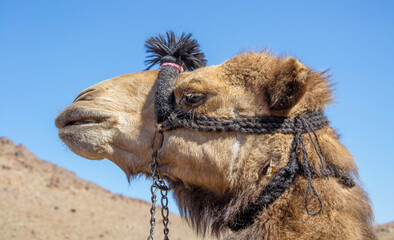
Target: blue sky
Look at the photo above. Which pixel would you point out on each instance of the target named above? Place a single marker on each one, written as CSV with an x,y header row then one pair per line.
x,y
51,50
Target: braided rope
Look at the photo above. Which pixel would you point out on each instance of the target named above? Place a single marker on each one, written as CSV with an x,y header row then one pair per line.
x,y
257,125
164,95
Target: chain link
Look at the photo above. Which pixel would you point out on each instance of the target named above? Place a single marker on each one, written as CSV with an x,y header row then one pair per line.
x,y
164,213
158,184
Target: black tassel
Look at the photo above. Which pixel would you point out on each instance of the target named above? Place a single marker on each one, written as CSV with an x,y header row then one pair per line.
x,y
182,50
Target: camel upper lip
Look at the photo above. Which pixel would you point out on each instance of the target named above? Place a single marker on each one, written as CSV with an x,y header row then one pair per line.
x,y
80,116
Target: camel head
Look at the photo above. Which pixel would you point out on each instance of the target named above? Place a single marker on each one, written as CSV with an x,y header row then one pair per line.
x,y
213,173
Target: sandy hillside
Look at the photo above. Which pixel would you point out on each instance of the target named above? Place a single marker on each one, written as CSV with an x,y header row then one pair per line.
x,y
39,200
385,231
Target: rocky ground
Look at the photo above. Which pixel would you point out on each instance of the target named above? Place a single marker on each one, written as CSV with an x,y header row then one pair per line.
x,y
39,200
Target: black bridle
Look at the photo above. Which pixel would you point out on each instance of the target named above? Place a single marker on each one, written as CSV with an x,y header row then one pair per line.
x,y
184,53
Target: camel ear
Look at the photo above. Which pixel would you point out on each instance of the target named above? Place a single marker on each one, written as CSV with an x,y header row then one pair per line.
x,y
288,86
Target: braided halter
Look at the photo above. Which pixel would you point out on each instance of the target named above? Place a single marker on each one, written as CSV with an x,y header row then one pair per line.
x,y
170,118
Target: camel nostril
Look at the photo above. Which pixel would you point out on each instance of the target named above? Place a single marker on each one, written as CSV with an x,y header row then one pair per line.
x,y
83,93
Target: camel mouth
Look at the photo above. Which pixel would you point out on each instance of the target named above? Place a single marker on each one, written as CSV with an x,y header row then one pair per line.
x,y
85,120
82,122
78,117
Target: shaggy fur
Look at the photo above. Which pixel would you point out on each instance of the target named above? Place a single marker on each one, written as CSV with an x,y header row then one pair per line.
x,y
212,184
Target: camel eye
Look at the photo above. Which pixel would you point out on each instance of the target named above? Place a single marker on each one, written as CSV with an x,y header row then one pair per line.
x,y
192,99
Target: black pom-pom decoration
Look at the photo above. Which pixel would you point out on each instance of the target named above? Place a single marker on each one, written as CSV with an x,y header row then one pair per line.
x,y
182,50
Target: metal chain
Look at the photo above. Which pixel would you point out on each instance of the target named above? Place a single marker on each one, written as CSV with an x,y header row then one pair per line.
x,y
158,184
164,213
153,190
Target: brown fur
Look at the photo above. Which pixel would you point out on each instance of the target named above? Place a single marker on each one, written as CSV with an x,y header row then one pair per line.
x,y
212,180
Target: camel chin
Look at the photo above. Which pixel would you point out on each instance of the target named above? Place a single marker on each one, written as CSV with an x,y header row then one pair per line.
x,y
86,132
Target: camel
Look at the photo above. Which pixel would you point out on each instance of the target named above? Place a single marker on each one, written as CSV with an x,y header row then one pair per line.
x,y
222,177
